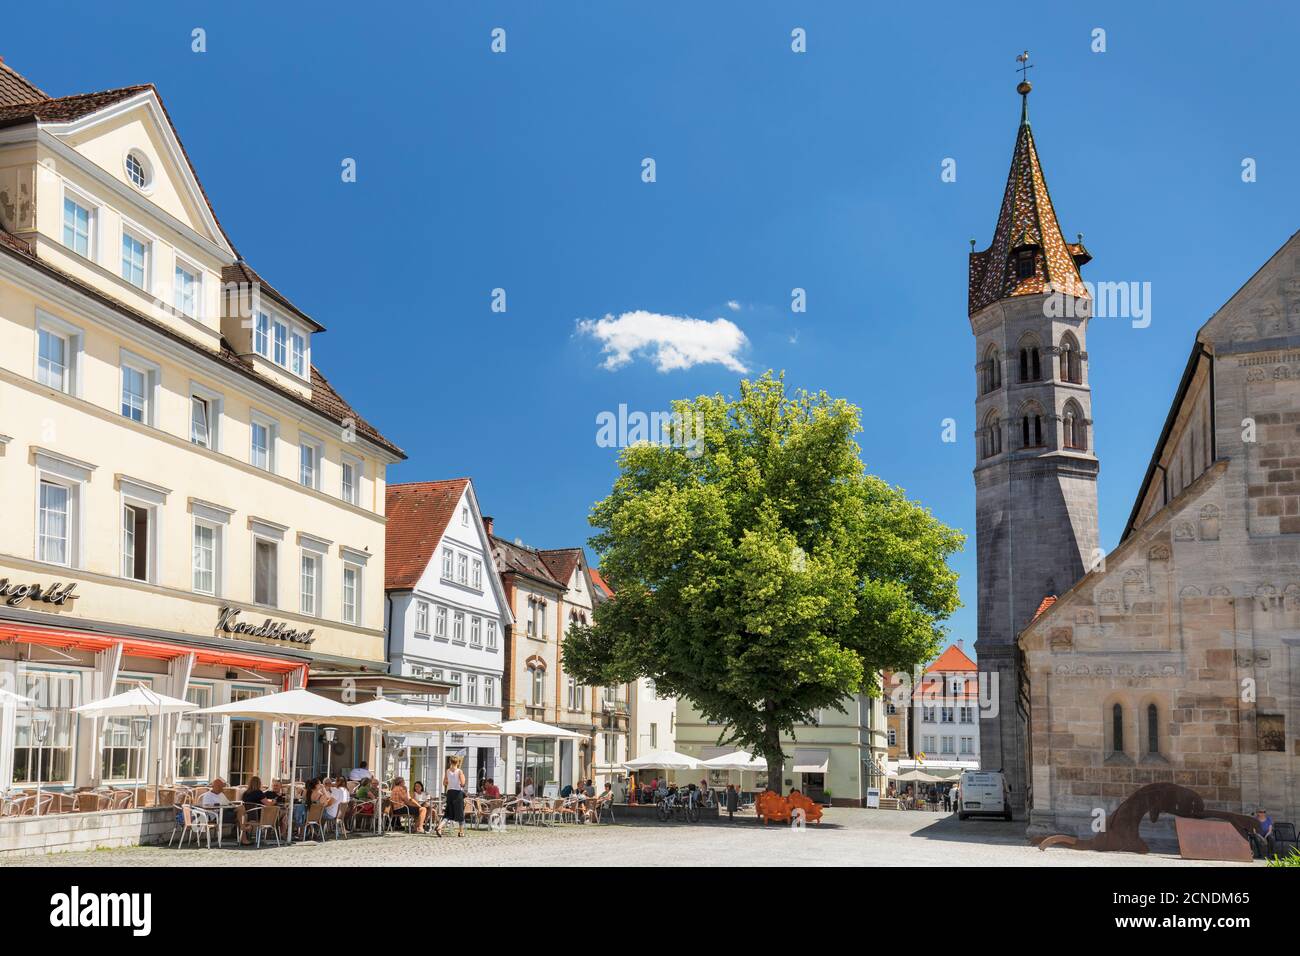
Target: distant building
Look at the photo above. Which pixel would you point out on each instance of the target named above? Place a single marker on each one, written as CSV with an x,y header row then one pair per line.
x,y
945,712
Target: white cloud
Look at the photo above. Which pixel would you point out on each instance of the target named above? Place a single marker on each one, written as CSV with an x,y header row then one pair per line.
x,y
670,341
733,305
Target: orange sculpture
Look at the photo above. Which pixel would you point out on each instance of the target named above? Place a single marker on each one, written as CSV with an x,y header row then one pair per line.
x,y
771,807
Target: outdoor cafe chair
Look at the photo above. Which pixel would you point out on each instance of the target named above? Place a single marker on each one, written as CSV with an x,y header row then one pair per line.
x,y
88,801
195,823
604,804
1284,836
314,814
33,804
268,821
121,800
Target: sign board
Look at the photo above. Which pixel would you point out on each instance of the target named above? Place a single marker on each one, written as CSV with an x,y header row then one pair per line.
x,y
1210,840
48,596
551,790
873,797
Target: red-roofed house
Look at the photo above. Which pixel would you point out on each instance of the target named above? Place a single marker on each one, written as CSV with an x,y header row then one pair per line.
x,y
945,711
447,619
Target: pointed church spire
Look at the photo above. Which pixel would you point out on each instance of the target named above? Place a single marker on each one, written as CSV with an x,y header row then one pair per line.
x,y
1028,254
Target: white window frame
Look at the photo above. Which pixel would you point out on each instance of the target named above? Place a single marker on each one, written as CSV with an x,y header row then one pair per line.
x,y
491,634
421,618
78,198
317,447
152,375
216,404
189,268
489,692
357,466
458,627
476,574
471,689
142,496
462,569
448,563
74,339
216,520
475,631
274,540
353,616
71,475
134,232
315,550
455,679
440,622
272,440
262,333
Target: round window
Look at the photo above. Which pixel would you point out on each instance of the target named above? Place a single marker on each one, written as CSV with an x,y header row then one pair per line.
x,y
137,170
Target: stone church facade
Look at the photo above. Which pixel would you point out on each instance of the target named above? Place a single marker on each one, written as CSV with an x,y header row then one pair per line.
x,y
1178,660
1175,658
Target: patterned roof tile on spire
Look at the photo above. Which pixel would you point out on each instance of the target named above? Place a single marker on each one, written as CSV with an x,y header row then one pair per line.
x,y
1027,218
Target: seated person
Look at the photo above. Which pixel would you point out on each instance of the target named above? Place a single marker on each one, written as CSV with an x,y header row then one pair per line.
x,y
340,798
1262,840
253,799
491,790
401,804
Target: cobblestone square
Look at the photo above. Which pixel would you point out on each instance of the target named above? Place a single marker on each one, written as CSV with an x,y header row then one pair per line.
x,y
846,837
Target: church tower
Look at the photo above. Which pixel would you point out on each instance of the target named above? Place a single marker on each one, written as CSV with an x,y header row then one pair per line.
x,y
1035,470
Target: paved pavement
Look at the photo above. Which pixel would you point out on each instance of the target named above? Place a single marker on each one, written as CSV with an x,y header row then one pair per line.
x,y
846,837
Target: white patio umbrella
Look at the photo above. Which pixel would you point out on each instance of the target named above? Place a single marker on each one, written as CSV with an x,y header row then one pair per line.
x,y
664,760
741,760
407,718
140,702
295,707
525,728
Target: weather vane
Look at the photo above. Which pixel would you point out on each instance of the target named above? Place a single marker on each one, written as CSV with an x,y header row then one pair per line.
x,y
1025,66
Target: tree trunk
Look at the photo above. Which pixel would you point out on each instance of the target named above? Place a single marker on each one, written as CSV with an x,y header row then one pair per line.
x,y
775,758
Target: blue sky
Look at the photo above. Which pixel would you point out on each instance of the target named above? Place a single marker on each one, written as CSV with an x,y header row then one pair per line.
x,y
774,170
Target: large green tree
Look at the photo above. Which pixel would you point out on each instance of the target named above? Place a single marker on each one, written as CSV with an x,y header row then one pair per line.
x,y
759,571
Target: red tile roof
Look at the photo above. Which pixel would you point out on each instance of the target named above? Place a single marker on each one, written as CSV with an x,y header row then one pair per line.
x,y
1027,219
63,109
511,558
1047,602
418,514
16,88
600,581
561,562
952,659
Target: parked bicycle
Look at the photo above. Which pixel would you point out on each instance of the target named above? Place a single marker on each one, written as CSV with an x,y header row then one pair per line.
x,y
683,802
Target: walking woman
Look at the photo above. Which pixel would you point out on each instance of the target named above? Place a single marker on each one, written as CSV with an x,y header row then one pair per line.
x,y
453,784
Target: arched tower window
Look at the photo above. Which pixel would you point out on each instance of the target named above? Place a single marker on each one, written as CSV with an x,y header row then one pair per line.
x,y
1071,360
1153,729
1074,428
992,371
992,438
1117,729
1031,362
1031,426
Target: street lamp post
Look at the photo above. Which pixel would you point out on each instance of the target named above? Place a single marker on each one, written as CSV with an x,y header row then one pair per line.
x,y
41,731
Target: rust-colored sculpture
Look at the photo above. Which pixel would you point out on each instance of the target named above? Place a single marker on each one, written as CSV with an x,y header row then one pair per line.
x,y
771,807
1122,825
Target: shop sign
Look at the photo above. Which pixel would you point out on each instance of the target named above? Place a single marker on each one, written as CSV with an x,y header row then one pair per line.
x,y
57,594
228,623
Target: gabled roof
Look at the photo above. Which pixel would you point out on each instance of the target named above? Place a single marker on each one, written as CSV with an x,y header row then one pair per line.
x,y
1027,219
953,659
242,273
418,515
511,558
561,562
63,109
16,88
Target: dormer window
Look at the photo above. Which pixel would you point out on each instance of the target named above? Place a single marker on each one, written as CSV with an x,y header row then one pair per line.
x,y
137,170
1025,264
284,344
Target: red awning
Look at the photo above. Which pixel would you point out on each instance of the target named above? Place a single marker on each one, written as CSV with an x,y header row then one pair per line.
x,y
141,647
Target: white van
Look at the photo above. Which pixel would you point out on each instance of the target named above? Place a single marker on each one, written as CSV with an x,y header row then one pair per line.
x,y
984,793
